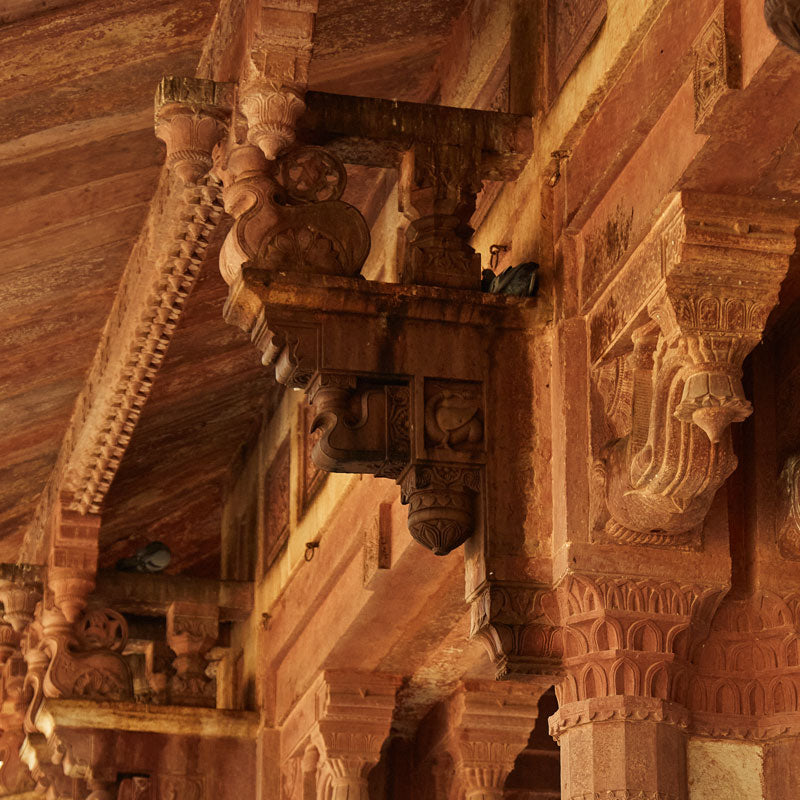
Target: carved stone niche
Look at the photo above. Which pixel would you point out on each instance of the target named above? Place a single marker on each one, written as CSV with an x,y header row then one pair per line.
x,y
695,296
191,117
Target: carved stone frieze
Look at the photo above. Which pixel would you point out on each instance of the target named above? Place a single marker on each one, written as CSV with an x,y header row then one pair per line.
x,y
671,400
745,682
789,509
519,625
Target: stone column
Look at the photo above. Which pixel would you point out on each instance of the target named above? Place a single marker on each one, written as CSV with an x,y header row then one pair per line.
x,y
490,725
621,722
354,713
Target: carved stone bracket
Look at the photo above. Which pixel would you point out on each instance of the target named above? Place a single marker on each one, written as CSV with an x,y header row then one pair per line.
x,y
518,623
489,725
710,274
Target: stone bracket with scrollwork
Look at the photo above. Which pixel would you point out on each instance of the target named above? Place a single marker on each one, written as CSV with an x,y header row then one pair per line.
x,y
667,341
396,389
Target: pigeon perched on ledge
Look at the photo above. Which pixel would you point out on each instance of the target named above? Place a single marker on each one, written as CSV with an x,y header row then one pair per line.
x,y
783,19
519,281
153,557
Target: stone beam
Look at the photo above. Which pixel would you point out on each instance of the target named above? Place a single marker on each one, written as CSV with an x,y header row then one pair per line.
x,y
376,133
151,595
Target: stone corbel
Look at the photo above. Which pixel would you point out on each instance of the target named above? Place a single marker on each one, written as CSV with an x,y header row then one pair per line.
x,y
518,624
192,630
191,116
672,399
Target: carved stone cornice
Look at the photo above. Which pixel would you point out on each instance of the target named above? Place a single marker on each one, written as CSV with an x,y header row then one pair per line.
x,y
707,276
158,278
518,623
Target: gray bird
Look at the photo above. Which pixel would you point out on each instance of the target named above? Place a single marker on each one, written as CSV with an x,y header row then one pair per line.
x,y
783,19
153,557
519,281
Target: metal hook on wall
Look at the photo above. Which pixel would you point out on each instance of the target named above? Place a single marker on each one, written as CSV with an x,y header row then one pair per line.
x,y
310,548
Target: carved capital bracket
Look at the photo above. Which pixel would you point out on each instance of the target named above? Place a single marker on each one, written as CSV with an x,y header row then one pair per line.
x,y
489,725
191,116
707,276
353,714
72,562
518,624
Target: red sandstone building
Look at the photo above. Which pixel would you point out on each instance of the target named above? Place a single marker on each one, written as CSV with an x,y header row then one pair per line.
x,y
434,535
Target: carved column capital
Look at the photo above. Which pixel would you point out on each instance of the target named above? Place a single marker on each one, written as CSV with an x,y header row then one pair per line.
x,y
353,717
191,116
192,630
490,725
272,111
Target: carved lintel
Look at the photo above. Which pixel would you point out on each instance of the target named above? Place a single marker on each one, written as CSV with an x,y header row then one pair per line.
x,y
192,630
191,116
672,398
518,624
441,497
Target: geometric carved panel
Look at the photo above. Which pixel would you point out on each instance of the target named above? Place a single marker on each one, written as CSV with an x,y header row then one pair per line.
x,y
276,504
